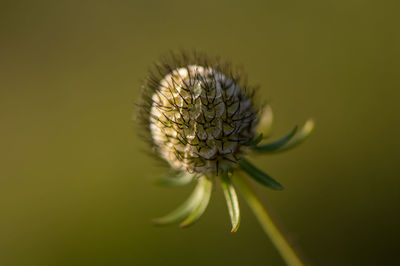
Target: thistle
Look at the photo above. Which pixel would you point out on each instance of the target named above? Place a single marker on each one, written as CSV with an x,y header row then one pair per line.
x,y
202,119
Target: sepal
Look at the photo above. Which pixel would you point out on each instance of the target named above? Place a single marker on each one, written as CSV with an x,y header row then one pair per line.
x,y
259,175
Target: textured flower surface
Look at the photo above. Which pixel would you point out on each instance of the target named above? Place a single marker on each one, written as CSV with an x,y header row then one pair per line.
x,y
202,120
199,120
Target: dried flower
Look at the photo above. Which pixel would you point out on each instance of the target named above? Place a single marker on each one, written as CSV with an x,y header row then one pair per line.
x,y
201,118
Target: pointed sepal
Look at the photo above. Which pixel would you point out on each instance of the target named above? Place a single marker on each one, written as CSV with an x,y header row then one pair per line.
x,y
254,141
266,121
183,211
300,137
273,146
231,201
259,175
201,206
176,179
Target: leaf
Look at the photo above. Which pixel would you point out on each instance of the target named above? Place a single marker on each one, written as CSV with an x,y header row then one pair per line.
x,y
231,200
301,136
201,204
176,179
266,121
186,208
259,175
273,146
254,141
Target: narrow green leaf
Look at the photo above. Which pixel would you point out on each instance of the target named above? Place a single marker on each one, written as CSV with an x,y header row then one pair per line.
x,y
254,141
259,175
186,208
300,137
202,204
266,121
273,146
231,200
175,179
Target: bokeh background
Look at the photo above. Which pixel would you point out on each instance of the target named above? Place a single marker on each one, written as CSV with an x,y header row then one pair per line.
x,y
76,187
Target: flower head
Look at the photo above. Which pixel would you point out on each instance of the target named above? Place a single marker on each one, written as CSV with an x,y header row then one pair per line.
x,y
202,120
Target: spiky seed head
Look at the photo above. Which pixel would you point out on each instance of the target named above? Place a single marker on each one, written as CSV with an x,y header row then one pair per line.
x,y
200,119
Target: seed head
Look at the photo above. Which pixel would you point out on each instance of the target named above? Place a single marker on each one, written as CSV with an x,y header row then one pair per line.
x,y
200,119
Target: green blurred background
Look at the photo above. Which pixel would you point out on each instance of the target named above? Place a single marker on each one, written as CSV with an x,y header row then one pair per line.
x,y
76,187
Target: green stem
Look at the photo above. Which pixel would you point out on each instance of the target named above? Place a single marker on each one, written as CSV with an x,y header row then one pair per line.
x,y
286,251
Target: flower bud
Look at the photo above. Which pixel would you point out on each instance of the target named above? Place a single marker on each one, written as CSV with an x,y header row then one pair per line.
x,y
200,120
